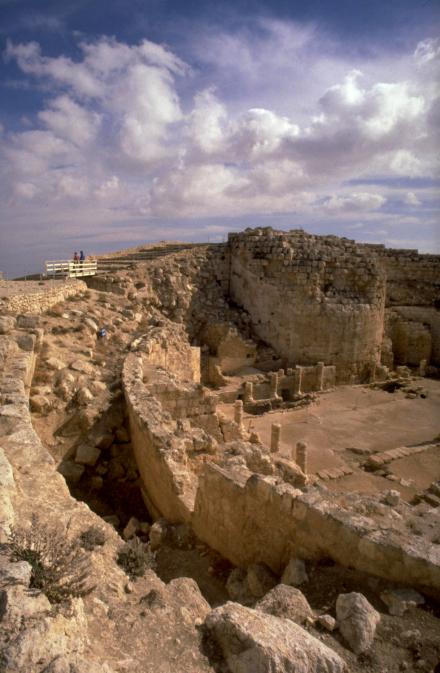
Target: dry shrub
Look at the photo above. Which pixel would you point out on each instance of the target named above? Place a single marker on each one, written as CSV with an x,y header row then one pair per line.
x,y
135,558
60,568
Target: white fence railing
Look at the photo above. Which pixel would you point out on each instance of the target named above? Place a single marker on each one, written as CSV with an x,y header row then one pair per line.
x,y
71,269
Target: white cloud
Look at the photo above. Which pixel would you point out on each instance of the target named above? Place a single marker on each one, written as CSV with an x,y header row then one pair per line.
x,y
411,199
71,121
127,130
427,50
353,203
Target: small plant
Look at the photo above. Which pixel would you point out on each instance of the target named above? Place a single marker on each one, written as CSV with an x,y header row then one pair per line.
x,y
60,568
135,558
91,538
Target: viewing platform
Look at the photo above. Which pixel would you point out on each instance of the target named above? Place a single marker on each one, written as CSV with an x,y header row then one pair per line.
x,y
71,269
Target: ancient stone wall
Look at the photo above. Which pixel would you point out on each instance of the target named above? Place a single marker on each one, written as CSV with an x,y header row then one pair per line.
x,y
413,279
249,517
36,299
415,334
252,509
169,348
311,298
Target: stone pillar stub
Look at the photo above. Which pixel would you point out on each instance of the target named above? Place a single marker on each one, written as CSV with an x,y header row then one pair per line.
x,y
298,380
320,376
301,456
273,381
238,413
275,436
248,391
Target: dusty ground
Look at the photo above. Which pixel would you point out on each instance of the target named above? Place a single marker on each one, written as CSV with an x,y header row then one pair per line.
x,y
9,288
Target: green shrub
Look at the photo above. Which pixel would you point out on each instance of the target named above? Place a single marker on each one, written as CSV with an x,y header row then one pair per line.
x,y
60,568
135,558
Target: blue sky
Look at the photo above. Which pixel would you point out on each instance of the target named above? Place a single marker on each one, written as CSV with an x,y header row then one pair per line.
x,y
129,121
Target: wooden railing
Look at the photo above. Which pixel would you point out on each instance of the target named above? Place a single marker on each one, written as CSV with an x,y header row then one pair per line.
x,y
71,269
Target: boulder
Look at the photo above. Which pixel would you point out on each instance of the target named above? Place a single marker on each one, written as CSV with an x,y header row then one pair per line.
x,y
357,620
72,472
84,396
39,403
26,342
131,528
287,602
295,573
91,324
46,639
254,642
260,579
55,364
17,604
7,323
14,573
122,435
98,387
82,366
327,622
158,533
238,588
392,498
399,600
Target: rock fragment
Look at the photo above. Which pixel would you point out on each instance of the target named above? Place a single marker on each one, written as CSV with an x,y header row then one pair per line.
x,y
357,621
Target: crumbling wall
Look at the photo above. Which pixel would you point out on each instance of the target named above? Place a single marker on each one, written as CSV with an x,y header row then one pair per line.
x,y
311,298
250,518
415,334
39,300
169,348
413,279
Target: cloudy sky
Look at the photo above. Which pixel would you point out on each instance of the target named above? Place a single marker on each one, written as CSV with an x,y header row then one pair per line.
x,y
126,121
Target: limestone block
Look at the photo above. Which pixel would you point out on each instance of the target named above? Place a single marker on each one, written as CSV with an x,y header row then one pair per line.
x,y
7,323
295,573
287,602
357,620
26,341
72,472
254,642
28,320
260,579
87,454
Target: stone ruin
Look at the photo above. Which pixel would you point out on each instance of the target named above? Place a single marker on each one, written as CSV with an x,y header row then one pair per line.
x,y
205,340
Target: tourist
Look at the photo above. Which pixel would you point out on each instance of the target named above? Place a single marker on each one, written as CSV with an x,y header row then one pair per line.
x,y
75,257
81,256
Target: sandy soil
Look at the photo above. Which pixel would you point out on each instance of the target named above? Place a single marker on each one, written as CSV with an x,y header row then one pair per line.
x,y
359,417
